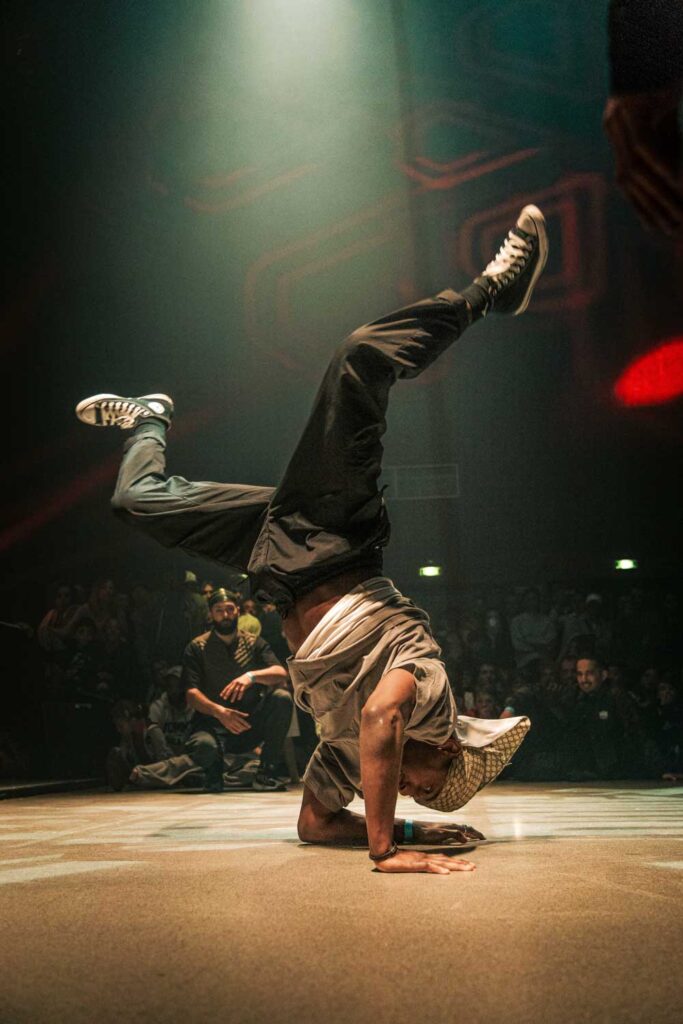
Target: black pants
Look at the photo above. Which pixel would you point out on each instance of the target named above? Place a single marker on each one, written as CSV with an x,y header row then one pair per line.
x,y
269,726
327,515
205,747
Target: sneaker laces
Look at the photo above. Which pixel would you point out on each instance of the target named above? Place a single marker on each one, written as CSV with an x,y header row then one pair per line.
x,y
126,413
509,260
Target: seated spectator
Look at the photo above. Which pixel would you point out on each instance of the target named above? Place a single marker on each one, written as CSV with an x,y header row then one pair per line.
x,y
168,718
464,690
143,619
471,637
100,607
487,677
544,757
53,633
129,722
597,732
271,631
669,633
84,676
118,667
556,692
233,683
533,633
567,674
485,704
587,631
493,642
181,615
632,643
248,621
623,695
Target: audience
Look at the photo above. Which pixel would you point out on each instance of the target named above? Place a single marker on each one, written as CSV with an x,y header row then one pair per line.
x,y
533,632
598,670
168,718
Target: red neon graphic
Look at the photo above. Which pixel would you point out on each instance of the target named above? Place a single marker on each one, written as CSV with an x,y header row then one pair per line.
x,y
654,378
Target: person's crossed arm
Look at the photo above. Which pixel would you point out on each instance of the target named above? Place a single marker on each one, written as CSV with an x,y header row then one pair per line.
x,y
234,721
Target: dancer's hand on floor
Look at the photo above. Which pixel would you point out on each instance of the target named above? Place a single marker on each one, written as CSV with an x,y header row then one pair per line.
x,y
429,863
447,833
234,721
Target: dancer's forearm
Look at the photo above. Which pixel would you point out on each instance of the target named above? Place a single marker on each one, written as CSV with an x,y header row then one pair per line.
x,y
344,828
381,745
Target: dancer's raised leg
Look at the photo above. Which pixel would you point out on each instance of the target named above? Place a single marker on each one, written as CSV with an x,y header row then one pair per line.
x,y
327,514
218,521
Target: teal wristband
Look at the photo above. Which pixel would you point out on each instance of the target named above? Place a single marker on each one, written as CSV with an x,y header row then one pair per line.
x,y
408,833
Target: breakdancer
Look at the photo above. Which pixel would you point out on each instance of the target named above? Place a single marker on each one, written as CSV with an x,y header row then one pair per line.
x,y
364,662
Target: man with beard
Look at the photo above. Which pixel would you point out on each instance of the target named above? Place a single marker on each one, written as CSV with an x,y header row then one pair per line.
x,y
234,684
364,661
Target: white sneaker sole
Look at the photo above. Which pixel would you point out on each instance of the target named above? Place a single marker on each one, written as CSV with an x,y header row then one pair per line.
x,y
539,221
88,403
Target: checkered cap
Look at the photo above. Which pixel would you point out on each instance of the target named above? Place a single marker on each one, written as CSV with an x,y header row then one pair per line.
x,y
475,768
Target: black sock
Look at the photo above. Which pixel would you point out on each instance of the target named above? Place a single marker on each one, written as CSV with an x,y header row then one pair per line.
x,y
478,297
150,426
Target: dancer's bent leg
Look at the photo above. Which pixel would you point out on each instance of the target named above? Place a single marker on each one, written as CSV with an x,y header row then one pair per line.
x,y
219,521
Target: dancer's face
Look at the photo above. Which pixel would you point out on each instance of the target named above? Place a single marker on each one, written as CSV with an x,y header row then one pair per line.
x,y
224,616
424,768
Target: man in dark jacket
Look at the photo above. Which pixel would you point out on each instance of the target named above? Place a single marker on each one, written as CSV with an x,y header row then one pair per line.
x,y
596,729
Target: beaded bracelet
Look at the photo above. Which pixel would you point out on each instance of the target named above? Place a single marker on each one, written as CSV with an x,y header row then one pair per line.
x,y
393,849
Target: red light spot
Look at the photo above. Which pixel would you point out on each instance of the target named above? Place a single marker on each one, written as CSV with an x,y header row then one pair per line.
x,y
654,378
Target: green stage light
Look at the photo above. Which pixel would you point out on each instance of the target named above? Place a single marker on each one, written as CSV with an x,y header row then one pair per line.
x,y
430,570
625,563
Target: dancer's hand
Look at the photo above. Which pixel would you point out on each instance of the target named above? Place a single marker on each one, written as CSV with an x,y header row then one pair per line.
x,y
436,833
236,689
646,141
429,863
234,721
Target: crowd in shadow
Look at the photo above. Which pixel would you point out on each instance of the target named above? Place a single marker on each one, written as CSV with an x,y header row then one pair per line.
x,y
597,673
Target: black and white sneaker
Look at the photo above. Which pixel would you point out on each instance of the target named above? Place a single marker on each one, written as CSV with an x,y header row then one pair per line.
x,y
511,276
126,413
265,784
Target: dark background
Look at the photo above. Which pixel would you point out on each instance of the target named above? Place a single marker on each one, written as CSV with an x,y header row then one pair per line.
x,y
204,197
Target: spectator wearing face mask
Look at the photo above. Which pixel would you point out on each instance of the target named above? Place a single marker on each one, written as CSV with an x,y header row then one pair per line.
x,y
248,621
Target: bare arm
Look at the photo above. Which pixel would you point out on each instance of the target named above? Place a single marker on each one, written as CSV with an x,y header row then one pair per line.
x,y
381,744
272,676
318,824
234,721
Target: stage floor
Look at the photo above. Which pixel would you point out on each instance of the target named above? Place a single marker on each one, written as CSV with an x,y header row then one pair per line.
x,y
190,908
